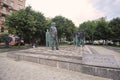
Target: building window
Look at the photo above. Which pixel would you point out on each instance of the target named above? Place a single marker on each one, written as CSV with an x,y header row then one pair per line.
x,y
3,18
5,0
4,9
10,12
20,6
12,3
21,0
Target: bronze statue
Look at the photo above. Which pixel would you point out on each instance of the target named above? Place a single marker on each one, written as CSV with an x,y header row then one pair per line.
x,y
54,37
48,39
79,38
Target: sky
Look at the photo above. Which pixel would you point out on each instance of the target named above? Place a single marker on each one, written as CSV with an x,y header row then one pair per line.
x,y
78,11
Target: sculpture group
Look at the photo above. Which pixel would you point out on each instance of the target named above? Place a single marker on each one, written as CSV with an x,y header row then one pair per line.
x,y
51,37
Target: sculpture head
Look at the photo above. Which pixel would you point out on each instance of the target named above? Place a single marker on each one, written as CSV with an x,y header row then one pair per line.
x,y
47,30
53,24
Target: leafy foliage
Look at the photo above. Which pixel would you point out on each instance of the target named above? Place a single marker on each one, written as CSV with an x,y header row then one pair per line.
x,y
27,24
102,30
114,27
3,37
65,27
89,28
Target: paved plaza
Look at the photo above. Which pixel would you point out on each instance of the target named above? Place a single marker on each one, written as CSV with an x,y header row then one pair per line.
x,y
106,51
23,70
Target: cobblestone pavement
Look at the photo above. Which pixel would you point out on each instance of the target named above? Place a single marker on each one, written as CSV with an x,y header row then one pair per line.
x,y
21,70
63,50
105,51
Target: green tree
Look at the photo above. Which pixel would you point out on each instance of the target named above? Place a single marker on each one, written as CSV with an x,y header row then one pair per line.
x,y
89,28
102,30
27,24
69,29
114,26
4,38
40,27
65,27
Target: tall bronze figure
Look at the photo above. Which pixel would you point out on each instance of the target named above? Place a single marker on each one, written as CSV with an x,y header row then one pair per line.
x,y
79,38
48,38
54,37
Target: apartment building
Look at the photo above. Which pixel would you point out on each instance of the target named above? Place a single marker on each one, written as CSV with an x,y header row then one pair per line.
x,y
6,8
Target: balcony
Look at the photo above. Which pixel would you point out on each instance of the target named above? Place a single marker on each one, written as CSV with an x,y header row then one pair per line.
x,y
5,2
3,12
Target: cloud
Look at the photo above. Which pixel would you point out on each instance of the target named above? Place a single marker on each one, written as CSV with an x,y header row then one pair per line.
x,y
76,10
109,7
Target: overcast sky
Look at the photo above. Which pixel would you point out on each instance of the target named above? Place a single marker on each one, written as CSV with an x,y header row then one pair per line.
x,y
77,10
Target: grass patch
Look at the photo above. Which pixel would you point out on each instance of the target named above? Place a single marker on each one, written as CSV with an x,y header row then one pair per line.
x,y
12,47
116,47
17,47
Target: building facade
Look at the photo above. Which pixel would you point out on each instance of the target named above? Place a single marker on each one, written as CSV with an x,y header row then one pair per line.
x,y
6,8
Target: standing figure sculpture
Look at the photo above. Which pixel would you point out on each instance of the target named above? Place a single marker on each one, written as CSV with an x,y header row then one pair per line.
x,y
79,38
48,39
54,37
75,39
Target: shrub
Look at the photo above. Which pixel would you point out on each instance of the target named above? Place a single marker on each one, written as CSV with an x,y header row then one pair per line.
x,y
3,37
